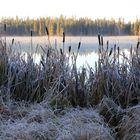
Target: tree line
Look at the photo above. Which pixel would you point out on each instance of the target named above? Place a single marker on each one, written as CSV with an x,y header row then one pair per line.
x,y
71,26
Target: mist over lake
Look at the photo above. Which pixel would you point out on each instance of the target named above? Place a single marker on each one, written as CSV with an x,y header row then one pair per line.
x,y
88,50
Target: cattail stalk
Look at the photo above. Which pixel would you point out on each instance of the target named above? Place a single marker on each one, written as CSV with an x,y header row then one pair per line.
x,y
63,37
61,52
12,41
48,34
118,48
5,28
138,44
107,45
131,53
31,31
47,31
63,41
79,45
99,39
69,49
102,41
99,49
110,52
114,52
4,51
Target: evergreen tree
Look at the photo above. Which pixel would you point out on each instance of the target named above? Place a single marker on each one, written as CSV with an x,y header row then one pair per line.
x,y
72,26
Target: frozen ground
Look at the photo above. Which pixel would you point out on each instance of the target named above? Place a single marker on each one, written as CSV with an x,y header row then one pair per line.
x,y
40,122
20,121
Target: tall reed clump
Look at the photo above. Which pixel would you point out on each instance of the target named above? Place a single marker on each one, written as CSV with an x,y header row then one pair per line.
x,y
77,82
62,84
33,82
114,85
115,78
3,59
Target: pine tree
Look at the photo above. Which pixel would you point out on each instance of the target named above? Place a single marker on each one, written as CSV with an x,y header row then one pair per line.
x,y
136,27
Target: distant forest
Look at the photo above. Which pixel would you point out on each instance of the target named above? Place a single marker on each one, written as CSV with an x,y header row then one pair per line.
x,y
71,26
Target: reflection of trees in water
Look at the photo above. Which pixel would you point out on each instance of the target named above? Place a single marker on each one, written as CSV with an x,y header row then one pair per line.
x,y
84,50
88,45
87,54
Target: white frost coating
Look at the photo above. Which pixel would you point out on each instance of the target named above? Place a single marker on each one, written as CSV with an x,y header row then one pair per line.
x,y
130,124
39,122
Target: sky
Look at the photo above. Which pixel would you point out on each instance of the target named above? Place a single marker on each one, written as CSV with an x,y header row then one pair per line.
x,y
127,9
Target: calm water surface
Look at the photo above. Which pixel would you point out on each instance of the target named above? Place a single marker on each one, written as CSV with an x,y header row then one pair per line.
x,y
88,51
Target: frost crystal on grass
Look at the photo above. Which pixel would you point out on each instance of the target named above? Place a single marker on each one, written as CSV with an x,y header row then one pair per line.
x,y
40,122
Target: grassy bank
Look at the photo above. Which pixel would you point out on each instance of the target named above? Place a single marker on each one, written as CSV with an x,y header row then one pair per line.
x,y
56,100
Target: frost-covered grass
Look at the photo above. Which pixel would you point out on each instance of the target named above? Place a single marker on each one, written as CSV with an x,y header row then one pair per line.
x,y
39,121
56,100
26,121
129,127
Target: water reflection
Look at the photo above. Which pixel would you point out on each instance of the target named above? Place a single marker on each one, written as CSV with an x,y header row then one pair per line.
x,y
87,60
88,50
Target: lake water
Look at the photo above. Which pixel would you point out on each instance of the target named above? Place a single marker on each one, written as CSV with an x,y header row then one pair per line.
x,y
88,50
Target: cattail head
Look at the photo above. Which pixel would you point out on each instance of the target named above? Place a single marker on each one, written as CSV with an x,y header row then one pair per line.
x,y
138,44
63,37
4,27
12,41
99,39
61,52
107,44
131,50
69,49
47,31
110,51
31,32
118,48
79,45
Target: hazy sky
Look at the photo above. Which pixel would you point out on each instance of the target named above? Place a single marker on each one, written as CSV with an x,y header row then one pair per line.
x,y
129,9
